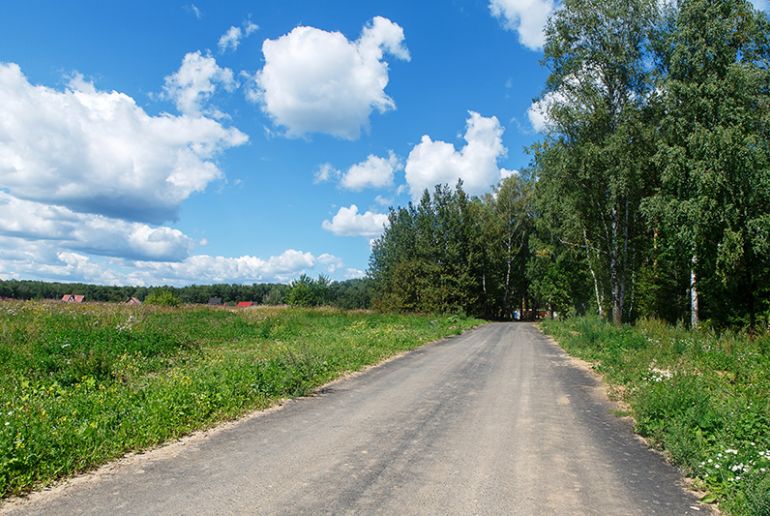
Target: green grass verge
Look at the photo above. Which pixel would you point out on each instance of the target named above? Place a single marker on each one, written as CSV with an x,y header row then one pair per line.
x,y
702,397
81,385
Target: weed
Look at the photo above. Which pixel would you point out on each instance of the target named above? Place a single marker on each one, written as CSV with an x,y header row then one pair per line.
x,y
81,385
703,397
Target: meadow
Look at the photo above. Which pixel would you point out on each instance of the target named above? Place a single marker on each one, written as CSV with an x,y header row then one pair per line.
x,y
702,397
84,384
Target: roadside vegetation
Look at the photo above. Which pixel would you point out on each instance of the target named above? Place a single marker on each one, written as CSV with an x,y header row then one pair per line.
x,y
703,398
648,196
83,384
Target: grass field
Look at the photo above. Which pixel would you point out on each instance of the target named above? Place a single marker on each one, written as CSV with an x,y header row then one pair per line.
x,y
703,398
80,385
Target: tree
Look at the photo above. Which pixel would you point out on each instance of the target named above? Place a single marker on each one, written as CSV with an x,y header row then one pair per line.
x,y
714,200
597,98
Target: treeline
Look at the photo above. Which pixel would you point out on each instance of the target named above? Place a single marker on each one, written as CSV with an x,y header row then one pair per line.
x,y
344,294
649,195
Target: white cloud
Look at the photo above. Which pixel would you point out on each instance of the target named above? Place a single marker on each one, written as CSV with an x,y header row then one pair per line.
x,y
98,152
219,269
196,81
353,273
24,259
437,162
20,258
195,11
318,81
348,222
527,17
326,172
538,113
373,172
231,39
330,262
505,173
383,201
762,5
94,234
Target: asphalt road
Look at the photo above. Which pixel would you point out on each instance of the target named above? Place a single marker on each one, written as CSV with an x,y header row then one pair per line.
x,y
497,421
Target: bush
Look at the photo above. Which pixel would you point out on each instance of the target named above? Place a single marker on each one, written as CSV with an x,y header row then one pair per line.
x,y
162,297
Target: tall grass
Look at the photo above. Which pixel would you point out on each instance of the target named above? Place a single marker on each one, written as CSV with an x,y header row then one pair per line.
x,y
80,385
703,397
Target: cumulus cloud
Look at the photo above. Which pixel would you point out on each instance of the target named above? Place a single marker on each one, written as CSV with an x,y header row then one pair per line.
x,y
319,81
196,81
330,263
220,269
231,39
325,173
348,222
526,17
505,173
437,162
538,111
98,152
22,259
43,259
373,172
352,273
89,233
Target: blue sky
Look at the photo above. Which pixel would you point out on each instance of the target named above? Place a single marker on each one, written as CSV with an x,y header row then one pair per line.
x,y
178,143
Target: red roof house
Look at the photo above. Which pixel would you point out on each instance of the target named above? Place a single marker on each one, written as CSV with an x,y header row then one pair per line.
x,y
244,304
133,301
73,298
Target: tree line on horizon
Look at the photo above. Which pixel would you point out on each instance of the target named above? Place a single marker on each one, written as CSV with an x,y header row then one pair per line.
x,y
649,195
348,294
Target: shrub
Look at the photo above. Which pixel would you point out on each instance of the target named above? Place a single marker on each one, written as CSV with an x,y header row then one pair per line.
x,y
162,297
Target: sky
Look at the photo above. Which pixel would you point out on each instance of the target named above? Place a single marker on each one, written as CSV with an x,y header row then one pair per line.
x,y
173,143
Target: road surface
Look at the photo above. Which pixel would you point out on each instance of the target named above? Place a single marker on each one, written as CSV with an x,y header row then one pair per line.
x,y
498,421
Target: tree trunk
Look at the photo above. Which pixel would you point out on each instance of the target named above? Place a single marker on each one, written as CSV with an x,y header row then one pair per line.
x,y
615,284
694,314
599,300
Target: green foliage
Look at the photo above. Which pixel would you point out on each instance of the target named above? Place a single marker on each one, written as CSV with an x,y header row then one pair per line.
x,y
700,396
455,254
162,297
306,291
84,384
713,154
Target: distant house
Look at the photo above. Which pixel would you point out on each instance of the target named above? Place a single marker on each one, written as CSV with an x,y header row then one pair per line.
x,y
215,300
73,298
133,301
245,304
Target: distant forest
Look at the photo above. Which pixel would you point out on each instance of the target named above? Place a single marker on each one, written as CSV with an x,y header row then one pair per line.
x,y
648,197
350,294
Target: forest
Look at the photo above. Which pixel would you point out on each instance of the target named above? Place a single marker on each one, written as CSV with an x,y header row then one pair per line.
x,y
649,195
305,291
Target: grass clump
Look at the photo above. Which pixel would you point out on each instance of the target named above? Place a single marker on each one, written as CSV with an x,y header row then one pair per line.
x,y
80,385
703,397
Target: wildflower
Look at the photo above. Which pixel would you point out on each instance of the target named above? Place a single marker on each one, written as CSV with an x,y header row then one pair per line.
x,y
730,450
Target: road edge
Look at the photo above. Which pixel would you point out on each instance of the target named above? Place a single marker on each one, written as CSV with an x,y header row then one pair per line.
x,y
172,448
605,391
